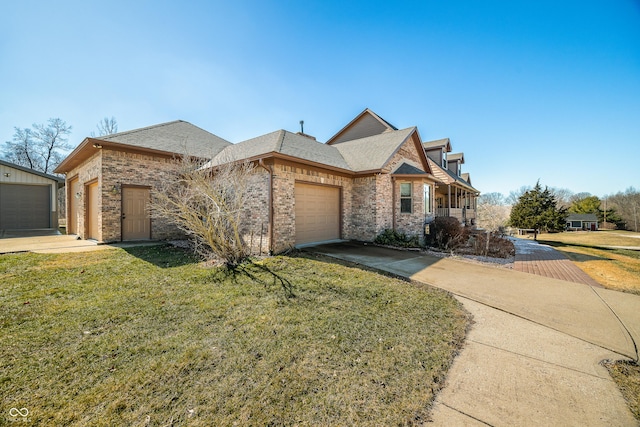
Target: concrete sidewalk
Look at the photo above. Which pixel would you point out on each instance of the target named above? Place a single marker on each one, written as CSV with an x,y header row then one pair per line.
x,y
57,243
533,355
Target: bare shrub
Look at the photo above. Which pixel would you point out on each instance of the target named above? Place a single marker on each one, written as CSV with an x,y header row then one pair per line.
x,y
207,204
496,247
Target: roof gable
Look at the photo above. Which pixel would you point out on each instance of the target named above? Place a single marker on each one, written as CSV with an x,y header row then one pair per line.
x,y
407,169
365,124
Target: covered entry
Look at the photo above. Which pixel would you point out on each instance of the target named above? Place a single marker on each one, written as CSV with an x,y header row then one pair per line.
x,y
136,223
317,210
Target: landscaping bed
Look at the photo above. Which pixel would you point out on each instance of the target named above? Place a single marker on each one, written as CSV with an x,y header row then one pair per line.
x,y
150,336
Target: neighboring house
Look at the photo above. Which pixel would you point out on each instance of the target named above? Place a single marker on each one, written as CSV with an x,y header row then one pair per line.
x,y
577,222
28,198
455,196
111,179
368,177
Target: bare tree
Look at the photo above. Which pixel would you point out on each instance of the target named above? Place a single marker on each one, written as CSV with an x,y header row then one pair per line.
x,y
513,196
563,196
106,126
209,206
493,213
39,148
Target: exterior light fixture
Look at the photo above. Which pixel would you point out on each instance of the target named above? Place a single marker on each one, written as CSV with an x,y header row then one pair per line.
x,y
96,145
7,174
114,190
78,195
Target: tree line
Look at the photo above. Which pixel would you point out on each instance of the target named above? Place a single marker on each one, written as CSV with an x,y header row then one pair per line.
x,y
546,209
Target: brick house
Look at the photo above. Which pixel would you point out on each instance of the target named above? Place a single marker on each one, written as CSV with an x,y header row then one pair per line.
x,y
368,177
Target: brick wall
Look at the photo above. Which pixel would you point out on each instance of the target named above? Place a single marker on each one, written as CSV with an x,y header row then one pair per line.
x,y
285,177
115,168
362,224
124,168
256,213
86,172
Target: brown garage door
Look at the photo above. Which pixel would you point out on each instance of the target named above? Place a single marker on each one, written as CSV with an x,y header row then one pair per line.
x,y
317,213
24,206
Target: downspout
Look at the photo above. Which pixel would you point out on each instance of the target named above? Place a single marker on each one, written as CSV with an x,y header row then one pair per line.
x,y
269,169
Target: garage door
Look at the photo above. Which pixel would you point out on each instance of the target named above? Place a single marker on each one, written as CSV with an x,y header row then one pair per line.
x,y
24,206
317,213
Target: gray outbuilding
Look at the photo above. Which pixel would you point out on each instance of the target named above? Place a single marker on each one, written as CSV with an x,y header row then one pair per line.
x,y
28,198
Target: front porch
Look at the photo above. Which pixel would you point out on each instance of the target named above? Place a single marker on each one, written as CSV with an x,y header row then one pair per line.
x,y
456,202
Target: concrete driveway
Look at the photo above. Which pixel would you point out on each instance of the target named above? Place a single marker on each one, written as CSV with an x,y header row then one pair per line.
x,y
51,241
532,356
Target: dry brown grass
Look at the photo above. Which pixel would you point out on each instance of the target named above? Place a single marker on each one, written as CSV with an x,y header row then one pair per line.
x,y
598,238
627,376
616,269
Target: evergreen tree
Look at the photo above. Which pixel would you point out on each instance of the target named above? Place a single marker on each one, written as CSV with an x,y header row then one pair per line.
x,y
537,209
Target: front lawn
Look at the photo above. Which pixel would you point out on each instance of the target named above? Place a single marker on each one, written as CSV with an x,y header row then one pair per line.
x,y
149,336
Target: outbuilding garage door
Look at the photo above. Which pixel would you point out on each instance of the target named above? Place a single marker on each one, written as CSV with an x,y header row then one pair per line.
x,y
317,213
24,206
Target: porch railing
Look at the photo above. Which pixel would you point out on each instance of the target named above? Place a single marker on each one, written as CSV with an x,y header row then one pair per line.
x,y
460,213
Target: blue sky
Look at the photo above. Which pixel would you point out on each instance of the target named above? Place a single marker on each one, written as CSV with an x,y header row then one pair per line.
x,y
545,90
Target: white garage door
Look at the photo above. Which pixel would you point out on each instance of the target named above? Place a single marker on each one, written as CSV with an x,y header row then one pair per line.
x,y
317,213
24,206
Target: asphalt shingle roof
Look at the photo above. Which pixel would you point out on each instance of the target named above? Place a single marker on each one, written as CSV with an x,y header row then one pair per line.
x,y
581,217
444,142
455,157
373,152
178,137
357,155
448,177
407,169
283,142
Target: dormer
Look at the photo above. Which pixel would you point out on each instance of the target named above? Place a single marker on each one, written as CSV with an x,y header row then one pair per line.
x,y
466,177
437,151
454,163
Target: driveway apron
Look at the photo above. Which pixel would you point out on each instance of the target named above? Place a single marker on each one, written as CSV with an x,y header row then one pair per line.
x,y
532,356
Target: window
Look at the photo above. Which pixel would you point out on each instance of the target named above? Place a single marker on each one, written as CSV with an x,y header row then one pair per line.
x,y
405,197
445,165
427,199
576,224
